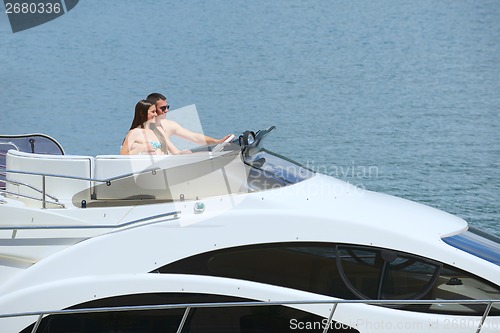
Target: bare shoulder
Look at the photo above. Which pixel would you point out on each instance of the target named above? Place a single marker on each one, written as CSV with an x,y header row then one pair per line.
x,y
133,133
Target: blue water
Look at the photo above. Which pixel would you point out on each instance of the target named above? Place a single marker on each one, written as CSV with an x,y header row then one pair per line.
x,y
401,97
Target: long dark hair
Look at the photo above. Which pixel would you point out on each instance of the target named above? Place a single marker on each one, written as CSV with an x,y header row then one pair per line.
x,y
141,113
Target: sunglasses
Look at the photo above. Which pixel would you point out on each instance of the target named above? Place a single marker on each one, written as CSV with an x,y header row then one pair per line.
x,y
165,107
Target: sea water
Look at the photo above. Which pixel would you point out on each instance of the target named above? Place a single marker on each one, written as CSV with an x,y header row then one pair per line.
x,y
401,97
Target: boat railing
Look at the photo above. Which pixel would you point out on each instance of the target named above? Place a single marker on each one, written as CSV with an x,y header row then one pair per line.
x,y
173,215
188,307
42,191
13,182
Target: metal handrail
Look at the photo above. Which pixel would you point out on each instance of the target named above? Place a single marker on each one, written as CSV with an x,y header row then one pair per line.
x,y
42,191
13,182
57,203
174,214
106,180
56,175
190,306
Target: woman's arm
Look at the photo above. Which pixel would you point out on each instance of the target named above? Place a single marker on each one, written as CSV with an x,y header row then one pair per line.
x,y
133,145
125,145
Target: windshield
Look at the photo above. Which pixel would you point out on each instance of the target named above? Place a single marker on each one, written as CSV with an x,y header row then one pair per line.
x,y
477,243
268,169
278,168
30,143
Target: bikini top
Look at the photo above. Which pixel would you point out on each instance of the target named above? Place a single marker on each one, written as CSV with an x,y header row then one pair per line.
x,y
155,145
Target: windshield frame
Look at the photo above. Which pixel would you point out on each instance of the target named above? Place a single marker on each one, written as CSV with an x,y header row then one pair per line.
x,y
270,166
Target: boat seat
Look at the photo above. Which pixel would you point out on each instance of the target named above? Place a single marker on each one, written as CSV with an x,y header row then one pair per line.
x,y
125,177
124,171
168,177
64,189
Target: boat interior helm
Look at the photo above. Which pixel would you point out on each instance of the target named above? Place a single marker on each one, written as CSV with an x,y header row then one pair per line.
x,y
86,181
231,238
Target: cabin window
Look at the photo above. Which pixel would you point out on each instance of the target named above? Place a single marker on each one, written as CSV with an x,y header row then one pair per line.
x,y
383,274
257,319
309,268
347,272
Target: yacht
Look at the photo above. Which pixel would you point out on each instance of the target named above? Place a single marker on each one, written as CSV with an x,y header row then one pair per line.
x,y
231,238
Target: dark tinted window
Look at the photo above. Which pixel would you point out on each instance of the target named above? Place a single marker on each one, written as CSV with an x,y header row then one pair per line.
x,y
347,272
309,268
257,319
383,274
